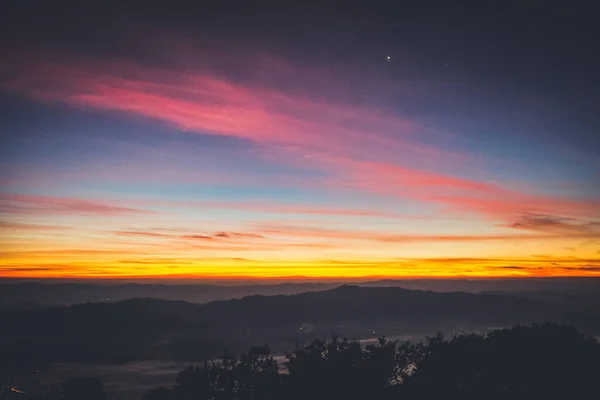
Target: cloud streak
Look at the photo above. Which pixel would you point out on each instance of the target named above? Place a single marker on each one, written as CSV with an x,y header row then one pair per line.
x,y
328,233
345,140
17,226
555,225
47,205
190,236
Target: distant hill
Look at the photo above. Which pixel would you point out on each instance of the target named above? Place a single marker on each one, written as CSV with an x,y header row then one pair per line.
x,y
588,286
355,305
582,298
32,294
148,328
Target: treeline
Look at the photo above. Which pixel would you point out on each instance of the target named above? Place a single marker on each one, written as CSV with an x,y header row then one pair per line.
x,y
547,361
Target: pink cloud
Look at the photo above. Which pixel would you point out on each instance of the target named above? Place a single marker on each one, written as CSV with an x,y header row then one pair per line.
x,y
207,103
508,204
460,194
355,144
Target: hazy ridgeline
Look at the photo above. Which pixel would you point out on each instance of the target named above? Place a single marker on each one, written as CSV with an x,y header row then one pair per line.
x,y
157,337
31,292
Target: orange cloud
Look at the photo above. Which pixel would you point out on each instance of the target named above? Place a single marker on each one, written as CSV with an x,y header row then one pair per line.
x,y
31,227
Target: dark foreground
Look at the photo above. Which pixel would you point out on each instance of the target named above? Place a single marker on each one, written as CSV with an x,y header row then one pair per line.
x,y
546,361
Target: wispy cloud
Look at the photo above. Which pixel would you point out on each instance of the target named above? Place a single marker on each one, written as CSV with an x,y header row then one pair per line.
x,y
589,268
26,269
359,145
238,234
191,236
17,226
347,234
555,224
45,205
516,267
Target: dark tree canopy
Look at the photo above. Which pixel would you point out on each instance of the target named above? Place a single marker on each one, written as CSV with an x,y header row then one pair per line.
x,y
526,362
538,362
542,362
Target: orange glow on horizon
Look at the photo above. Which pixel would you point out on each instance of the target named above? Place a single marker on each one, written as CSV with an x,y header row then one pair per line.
x,y
339,270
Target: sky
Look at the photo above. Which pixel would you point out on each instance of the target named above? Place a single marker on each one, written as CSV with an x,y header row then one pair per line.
x,y
260,141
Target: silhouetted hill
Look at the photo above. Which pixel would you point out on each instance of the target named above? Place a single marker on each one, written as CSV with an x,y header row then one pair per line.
x,y
588,286
346,304
72,293
149,328
28,294
355,304
555,296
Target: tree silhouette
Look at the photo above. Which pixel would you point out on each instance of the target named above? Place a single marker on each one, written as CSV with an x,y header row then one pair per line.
x,y
342,369
538,362
525,362
254,376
